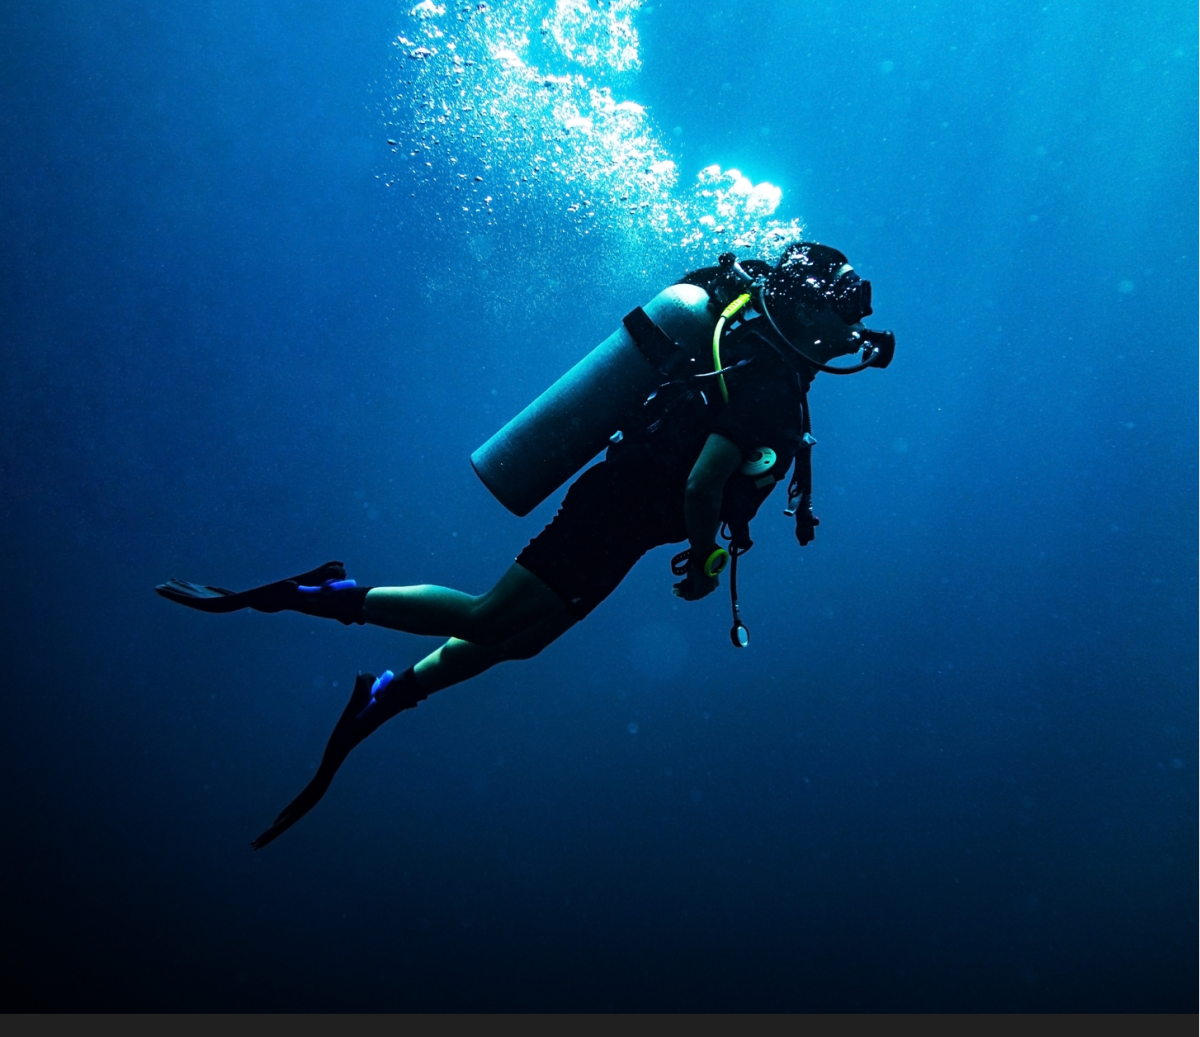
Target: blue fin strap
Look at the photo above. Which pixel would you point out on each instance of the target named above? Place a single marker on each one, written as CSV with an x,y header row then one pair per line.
x,y
381,682
329,585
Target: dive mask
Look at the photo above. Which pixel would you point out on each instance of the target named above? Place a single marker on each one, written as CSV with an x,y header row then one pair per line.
x,y
809,274
850,297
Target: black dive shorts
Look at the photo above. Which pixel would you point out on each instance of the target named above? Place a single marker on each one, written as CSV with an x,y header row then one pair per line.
x,y
612,515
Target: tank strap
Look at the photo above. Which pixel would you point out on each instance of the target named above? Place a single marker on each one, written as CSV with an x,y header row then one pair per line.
x,y
654,344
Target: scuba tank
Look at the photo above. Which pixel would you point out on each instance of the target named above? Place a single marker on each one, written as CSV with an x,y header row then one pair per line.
x,y
573,420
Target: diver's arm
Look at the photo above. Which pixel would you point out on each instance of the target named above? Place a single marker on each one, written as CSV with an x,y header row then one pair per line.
x,y
702,510
702,501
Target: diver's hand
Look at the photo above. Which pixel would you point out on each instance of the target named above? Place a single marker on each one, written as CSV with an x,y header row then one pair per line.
x,y
693,588
695,585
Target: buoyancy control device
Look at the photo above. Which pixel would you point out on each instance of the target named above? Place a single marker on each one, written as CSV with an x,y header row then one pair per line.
x,y
667,342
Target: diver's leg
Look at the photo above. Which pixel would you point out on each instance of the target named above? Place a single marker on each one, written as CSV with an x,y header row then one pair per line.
x,y
519,600
374,702
457,660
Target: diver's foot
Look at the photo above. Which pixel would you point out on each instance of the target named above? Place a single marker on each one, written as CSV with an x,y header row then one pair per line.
x,y
323,592
372,703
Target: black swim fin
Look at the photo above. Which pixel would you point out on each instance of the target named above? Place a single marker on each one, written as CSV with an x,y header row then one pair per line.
x,y
372,703
323,592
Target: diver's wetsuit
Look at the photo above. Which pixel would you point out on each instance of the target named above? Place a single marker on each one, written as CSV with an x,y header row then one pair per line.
x,y
633,501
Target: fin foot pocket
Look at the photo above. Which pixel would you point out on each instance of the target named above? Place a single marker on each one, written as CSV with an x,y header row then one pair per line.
x,y
372,703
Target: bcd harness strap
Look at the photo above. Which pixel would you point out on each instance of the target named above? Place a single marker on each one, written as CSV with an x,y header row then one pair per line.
x,y
800,489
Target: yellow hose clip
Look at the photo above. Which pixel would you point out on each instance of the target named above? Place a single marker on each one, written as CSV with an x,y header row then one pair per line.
x,y
730,311
715,564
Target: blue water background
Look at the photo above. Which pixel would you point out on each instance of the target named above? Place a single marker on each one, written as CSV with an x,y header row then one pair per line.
x,y
957,768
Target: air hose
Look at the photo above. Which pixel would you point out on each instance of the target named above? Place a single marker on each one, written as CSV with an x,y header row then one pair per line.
x,y
730,311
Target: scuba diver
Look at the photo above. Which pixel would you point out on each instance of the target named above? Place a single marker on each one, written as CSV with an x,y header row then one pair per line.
x,y
700,398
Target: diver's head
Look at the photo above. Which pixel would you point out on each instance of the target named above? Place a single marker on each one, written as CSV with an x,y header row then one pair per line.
x,y
814,299
811,277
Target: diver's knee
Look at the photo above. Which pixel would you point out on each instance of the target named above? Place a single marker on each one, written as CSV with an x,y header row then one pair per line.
x,y
514,648
532,640
491,619
477,623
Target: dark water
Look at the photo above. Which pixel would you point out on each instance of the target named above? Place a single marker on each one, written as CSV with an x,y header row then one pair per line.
x,y
957,768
